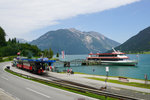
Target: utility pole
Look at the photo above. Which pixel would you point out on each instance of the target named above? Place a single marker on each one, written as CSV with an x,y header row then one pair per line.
x,y
107,70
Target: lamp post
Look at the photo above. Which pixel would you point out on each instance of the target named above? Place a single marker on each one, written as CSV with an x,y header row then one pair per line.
x,y
145,76
107,70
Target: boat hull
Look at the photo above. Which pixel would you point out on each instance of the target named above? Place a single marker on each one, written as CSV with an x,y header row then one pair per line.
x,y
121,63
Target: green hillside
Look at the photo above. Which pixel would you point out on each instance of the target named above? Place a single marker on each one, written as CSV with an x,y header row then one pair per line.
x,y
137,44
12,47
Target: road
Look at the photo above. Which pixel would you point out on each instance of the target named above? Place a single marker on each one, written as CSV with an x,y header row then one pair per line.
x,y
22,89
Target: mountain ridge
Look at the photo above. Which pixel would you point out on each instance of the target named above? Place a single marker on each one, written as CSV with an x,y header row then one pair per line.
x,y
73,41
22,40
138,43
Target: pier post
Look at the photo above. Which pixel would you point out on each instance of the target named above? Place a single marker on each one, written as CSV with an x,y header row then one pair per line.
x,y
107,70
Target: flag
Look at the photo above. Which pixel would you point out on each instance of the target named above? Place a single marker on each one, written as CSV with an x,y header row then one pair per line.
x,y
63,54
18,53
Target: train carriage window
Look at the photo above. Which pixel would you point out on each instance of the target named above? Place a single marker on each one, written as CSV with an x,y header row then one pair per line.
x,y
49,64
26,63
43,66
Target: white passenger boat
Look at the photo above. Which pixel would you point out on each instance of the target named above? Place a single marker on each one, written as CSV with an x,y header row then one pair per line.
x,y
114,58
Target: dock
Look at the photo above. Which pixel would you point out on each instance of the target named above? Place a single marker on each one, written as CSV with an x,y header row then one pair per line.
x,y
78,62
91,62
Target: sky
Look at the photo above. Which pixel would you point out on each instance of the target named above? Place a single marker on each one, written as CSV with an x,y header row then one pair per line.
x,y
116,19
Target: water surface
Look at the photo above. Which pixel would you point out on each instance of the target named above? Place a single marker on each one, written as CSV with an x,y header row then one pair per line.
x,y
138,71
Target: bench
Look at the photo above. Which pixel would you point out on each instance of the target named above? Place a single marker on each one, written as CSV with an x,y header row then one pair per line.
x,y
123,79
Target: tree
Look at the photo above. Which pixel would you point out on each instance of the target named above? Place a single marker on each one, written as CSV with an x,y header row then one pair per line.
x,y
12,47
2,37
29,54
1,59
57,55
45,53
50,53
9,40
14,41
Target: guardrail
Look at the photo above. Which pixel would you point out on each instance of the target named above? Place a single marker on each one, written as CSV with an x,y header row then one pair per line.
x,y
80,87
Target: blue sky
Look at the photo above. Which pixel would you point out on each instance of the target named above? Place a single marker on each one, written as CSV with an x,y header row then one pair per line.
x,y
118,24
117,20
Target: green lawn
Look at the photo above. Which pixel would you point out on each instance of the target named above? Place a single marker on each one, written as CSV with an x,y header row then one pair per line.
x,y
102,75
4,59
147,86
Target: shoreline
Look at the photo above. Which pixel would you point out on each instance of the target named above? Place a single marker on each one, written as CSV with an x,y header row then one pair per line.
x,y
104,76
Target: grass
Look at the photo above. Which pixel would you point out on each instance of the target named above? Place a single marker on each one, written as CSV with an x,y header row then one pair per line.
x,y
64,87
54,59
148,52
36,57
4,59
80,73
104,75
147,86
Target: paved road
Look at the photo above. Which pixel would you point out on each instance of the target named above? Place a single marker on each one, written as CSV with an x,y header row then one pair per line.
x,y
22,89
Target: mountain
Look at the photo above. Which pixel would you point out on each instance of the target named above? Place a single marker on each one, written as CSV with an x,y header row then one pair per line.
x,y
73,41
22,40
137,43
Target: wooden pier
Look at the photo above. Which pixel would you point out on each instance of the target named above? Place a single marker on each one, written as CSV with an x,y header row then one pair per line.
x,y
78,62
91,62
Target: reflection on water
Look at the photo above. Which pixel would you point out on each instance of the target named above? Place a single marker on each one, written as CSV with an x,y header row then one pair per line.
x,y
138,71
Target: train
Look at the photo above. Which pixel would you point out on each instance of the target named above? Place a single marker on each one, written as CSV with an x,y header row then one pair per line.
x,y
38,66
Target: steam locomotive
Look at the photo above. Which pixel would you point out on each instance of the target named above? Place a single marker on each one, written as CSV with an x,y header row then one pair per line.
x,y
33,65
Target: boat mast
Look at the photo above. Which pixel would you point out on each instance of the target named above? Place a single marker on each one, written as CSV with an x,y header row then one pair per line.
x,y
114,49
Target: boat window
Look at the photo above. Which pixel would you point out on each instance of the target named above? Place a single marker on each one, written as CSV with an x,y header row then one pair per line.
x,y
107,55
121,55
112,59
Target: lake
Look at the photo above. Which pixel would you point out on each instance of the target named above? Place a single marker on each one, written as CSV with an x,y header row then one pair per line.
x,y
138,71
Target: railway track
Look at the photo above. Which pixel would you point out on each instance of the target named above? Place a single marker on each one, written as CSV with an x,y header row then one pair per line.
x,y
86,88
79,87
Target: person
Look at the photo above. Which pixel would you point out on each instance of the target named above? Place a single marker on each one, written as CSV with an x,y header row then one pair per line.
x,y
50,68
71,71
54,68
68,71
46,66
93,70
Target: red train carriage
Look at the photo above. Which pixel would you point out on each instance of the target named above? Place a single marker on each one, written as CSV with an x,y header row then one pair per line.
x,y
19,64
35,66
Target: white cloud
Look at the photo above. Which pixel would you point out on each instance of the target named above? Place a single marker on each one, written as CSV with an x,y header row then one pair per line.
x,y
19,17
